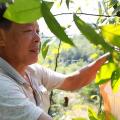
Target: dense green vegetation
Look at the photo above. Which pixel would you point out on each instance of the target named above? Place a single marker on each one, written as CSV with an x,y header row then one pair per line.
x,y
78,56
71,59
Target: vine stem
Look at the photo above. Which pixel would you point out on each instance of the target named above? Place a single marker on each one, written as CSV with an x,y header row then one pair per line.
x,y
56,65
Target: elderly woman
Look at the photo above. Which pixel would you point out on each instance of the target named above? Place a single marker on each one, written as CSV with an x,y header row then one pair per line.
x,y
23,82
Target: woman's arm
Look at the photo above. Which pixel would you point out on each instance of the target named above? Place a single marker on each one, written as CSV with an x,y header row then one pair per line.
x,y
84,76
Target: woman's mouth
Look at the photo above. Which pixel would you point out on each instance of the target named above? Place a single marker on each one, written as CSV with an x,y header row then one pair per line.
x,y
35,51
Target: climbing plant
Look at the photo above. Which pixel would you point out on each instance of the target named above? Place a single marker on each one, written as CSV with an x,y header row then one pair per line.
x,y
105,35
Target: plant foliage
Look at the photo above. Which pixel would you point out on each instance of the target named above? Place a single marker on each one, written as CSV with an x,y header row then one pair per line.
x,y
107,34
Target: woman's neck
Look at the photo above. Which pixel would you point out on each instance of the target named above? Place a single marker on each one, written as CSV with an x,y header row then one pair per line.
x,y
17,65
22,71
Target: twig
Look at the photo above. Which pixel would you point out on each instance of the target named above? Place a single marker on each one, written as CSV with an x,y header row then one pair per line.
x,y
82,13
57,56
56,64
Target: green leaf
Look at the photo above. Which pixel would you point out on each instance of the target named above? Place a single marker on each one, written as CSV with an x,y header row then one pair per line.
x,y
45,48
111,34
115,80
113,2
91,34
3,1
49,4
53,25
92,114
67,3
23,11
105,73
116,10
7,1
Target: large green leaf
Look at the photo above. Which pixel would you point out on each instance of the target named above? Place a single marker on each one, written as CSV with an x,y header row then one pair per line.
x,y
4,1
115,80
91,34
53,25
105,73
111,33
23,11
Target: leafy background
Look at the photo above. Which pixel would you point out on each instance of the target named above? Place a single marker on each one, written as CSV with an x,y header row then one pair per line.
x,y
71,53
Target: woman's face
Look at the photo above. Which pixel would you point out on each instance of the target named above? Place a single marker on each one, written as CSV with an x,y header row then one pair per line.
x,y
22,43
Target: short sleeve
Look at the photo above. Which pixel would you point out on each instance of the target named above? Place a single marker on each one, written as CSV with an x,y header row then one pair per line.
x,y
13,103
49,78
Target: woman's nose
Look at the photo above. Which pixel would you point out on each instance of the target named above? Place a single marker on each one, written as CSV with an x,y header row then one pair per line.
x,y
37,37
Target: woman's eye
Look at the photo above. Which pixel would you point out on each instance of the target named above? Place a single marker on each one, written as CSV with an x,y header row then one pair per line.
x,y
27,31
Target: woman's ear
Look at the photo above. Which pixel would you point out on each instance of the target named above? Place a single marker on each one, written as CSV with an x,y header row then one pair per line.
x,y
2,38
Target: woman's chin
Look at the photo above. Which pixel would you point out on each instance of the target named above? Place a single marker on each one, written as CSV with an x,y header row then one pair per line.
x,y
32,61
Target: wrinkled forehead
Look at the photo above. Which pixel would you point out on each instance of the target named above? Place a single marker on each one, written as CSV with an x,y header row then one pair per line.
x,y
27,25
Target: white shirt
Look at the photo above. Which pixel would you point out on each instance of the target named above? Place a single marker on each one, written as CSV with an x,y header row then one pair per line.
x,y
17,101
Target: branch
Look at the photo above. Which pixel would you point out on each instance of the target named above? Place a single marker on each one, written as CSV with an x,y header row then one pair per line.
x,y
58,54
82,13
56,65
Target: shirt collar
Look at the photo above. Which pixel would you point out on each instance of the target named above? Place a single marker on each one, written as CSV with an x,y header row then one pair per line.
x,y
11,72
